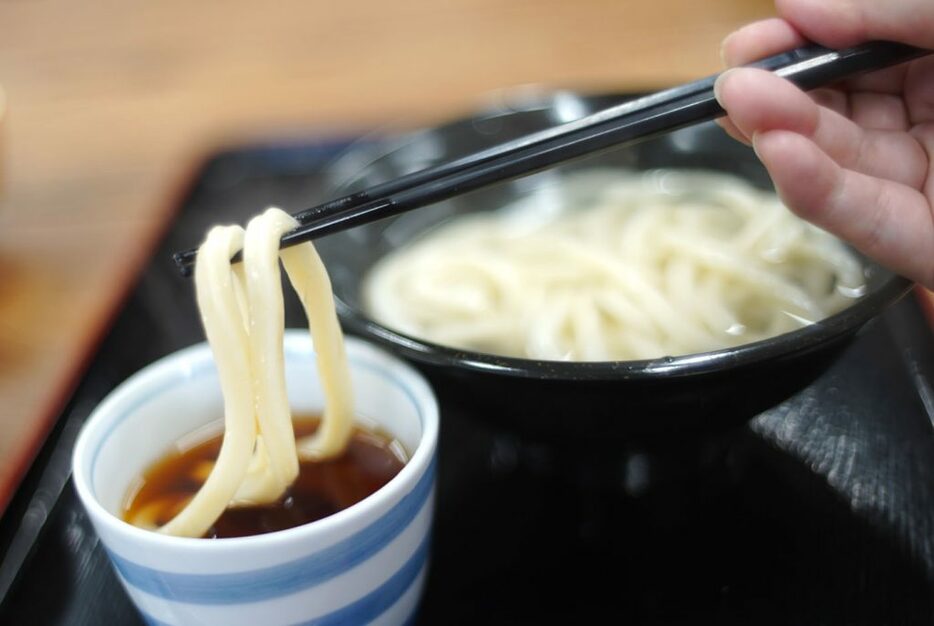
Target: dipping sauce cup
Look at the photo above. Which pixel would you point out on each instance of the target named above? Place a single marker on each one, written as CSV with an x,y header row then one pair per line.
x,y
366,563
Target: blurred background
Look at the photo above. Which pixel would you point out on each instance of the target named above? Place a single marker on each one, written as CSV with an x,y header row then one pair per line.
x,y
111,104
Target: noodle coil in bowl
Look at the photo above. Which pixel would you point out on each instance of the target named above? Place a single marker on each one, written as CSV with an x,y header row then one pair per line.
x,y
648,291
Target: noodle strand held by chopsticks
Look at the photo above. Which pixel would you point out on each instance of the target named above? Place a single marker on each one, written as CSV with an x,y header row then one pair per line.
x,y
310,281
616,266
242,313
222,316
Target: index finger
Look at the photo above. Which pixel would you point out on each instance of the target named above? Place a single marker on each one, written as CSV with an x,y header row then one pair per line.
x,y
758,40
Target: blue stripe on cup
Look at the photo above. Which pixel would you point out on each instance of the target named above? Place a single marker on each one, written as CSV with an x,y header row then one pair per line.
x,y
284,578
372,605
375,603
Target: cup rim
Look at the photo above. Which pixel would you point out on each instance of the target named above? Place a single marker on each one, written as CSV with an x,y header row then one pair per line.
x,y
179,365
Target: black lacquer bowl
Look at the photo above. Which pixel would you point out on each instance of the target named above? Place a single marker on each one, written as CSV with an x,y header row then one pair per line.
x,y
678,396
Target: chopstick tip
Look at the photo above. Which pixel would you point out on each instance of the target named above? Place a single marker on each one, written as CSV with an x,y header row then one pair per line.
x,y
185,262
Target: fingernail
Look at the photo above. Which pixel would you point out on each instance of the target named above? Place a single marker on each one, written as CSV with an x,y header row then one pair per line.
x,y
723,45
755,144
718,85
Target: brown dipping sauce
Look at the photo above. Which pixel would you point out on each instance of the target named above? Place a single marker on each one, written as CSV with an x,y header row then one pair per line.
x,y
323,487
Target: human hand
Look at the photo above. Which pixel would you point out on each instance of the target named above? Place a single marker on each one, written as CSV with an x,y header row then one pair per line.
x,y
856,159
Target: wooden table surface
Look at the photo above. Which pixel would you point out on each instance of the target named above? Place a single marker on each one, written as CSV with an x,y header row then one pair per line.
x,y
110,103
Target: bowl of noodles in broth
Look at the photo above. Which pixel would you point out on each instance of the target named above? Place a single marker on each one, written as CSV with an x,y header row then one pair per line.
x,y
655,290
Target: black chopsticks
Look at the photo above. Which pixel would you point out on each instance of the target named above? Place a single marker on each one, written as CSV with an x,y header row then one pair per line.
x,y
809,67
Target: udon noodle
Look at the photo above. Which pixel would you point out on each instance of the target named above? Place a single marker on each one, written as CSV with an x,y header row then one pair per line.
x,y
617,266
242,313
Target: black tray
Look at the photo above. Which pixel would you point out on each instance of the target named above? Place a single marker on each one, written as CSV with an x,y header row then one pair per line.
x,y
820,511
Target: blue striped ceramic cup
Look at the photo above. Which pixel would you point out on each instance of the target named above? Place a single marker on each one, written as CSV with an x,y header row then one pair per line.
x,y
364,564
